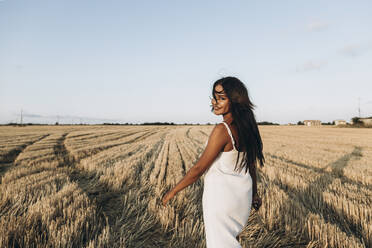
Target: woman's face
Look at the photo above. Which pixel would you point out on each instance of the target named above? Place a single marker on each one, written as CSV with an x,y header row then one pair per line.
x,y
222,105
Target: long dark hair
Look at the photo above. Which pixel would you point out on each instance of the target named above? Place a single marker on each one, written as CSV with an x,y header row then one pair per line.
x,y
243,117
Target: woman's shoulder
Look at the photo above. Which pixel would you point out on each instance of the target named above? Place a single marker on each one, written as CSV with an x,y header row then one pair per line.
x,y
219,132
219,129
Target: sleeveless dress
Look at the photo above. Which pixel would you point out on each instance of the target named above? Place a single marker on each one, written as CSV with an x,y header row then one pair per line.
x,y
227,199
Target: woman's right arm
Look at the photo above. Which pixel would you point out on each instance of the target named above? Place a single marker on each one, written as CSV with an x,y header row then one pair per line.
x,y
217,140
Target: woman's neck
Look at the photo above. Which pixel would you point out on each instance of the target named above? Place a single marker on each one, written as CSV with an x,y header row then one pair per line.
x,y
228,118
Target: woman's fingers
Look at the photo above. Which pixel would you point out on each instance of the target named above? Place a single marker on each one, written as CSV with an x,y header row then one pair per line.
x,y
166,198
257,202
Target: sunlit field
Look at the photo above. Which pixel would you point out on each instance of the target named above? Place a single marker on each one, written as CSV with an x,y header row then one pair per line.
x,y
101,186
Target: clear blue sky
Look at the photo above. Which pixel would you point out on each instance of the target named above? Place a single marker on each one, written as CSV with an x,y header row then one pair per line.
x,y
137,61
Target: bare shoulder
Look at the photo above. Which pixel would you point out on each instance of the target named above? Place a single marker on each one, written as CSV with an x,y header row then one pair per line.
x,y
220,127
218,131
218,134
216,142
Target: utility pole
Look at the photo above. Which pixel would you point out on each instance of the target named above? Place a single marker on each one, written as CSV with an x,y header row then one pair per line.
x,y
21,117
359,106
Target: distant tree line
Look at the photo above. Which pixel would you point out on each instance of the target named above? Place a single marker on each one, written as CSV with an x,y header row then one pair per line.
x,y
41,124
106,123
328,123
22,125
157,123
323,123
267,123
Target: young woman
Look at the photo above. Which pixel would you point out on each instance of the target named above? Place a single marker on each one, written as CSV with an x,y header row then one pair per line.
x,y
234,147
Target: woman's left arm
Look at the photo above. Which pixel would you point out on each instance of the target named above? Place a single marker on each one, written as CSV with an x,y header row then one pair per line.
x,y
256,199
252,172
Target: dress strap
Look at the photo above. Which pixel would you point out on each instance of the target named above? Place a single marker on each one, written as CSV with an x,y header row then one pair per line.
x,y
229,131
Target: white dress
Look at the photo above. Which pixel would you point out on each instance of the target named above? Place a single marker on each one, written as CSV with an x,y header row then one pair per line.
x,y
227,199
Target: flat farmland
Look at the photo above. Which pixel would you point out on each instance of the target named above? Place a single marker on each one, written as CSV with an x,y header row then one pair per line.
x,y
101,186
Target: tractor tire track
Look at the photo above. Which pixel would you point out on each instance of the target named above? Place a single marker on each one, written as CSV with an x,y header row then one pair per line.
x,y
104,197
108,200
94,151
310,195
182,160
7,161
195,141
146,172
356,153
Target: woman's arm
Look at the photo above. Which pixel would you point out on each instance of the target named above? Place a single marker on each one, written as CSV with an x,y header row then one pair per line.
x,y
252,172
256,199
216,142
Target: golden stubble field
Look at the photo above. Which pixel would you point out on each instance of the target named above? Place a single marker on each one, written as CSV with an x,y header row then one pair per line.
x,y
101,186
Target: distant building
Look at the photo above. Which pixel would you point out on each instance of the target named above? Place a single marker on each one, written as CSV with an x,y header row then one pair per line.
x,y
340,122
312,123
367,121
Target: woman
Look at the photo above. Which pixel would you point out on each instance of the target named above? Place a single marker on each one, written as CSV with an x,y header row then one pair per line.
x,y
234,147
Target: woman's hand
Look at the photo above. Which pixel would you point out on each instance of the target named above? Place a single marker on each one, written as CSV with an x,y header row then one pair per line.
x,y
256,202
167,197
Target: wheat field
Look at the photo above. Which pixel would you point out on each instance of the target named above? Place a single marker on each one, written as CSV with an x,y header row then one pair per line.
x,y
101,186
